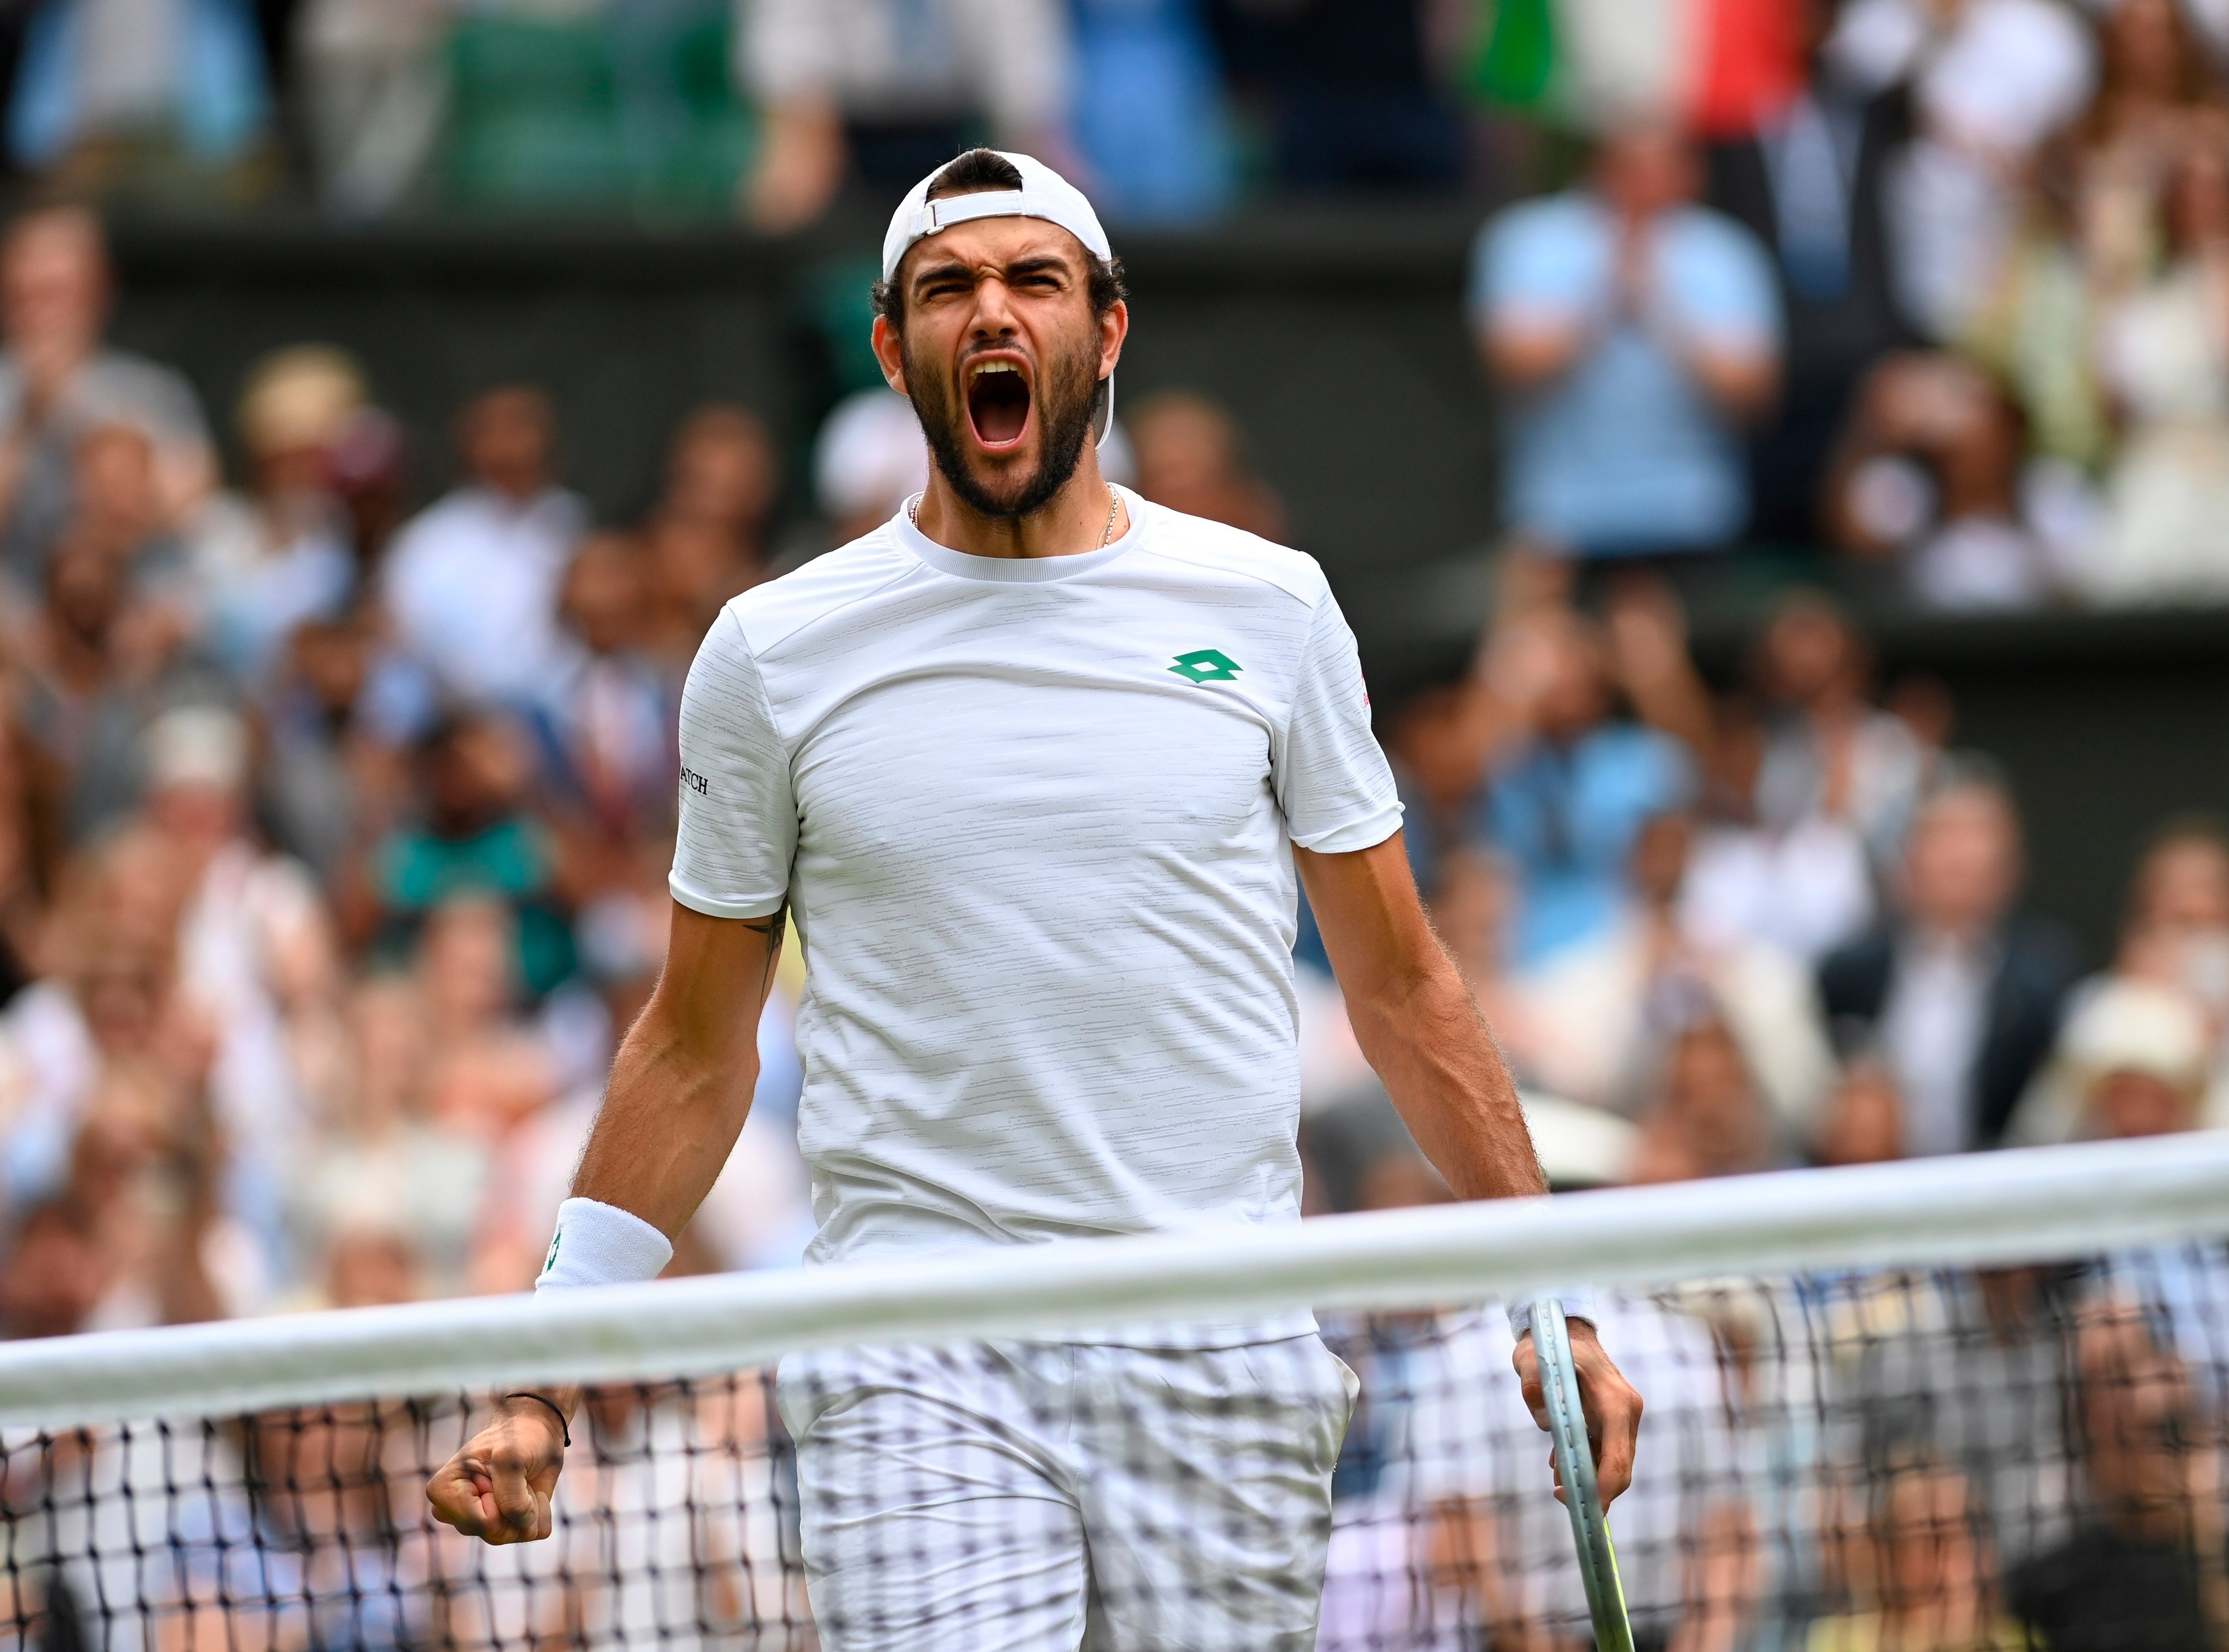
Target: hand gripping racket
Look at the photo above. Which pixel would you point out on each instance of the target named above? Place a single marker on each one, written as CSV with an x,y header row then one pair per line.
x,y
1575,1467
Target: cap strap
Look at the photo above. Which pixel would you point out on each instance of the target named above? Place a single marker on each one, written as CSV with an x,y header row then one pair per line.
x,y
962,209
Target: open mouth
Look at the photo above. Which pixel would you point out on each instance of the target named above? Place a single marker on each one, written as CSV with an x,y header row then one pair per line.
x,y
997,402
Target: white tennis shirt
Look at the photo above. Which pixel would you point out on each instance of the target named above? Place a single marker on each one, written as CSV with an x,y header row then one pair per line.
x,y
1033,821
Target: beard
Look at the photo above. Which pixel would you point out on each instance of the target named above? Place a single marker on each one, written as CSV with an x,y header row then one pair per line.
x,y
1067,398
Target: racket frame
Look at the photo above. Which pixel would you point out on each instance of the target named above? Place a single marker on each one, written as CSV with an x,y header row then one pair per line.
x,y
1575,1467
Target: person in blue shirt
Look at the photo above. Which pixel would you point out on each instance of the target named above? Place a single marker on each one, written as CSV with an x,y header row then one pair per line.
x,y
1632,333
1565,802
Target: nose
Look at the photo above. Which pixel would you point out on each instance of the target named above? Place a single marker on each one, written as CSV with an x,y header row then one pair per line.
x,y
994,311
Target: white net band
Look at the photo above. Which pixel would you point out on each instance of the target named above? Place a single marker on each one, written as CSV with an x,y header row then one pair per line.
x,y
2020,1206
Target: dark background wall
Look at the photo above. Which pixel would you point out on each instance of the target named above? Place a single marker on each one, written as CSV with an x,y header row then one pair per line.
x,y
1336,337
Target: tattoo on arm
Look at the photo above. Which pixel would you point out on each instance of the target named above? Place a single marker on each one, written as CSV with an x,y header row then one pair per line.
x,y
773,927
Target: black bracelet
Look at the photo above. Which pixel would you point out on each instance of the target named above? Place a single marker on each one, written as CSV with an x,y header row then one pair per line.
x,y
564,1427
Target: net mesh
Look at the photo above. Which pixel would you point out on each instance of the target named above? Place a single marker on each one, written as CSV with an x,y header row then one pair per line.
x,y
1916,1458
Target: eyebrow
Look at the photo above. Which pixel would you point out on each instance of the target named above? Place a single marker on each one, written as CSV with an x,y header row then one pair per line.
x,y
1019,267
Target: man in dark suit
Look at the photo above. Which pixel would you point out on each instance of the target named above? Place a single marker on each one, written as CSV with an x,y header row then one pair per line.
x,y
1962,993
1808,186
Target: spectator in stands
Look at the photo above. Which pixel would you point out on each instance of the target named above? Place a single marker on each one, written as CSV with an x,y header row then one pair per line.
x,y
117,1039
57,383
2164,357
869,458
1927,481
2144,1566
1806,801
1608,1015
2177,931
1706,1117
2091,232
98,661
2133,1059
1831,757
263,564
2172,967
1190,457
610,736
2158,67
1150,125
885,92
372,96
1864,1118
335,776
1352,95
1990,81
472,582
368,471
162,103
1567,796
1962,993
57,1270
707,533
1808,184
1929,1578
253,937
1633,335
2143,1052
380,1155
477,836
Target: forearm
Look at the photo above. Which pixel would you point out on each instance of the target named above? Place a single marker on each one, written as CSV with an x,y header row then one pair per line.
x,y
1742,383
1437,1059
669,1121
1523,355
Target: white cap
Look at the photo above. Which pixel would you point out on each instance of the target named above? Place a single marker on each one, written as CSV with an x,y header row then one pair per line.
x,y
1045,194
869,456
2134,1026
197,745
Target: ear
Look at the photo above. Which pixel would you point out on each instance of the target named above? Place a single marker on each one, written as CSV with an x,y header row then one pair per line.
x,y
889,352
1114,328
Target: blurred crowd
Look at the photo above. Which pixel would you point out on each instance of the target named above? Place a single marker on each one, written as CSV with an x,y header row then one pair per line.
x,y
332,835
693,109
337,794
1955,304
1767,922
335,807
1942,284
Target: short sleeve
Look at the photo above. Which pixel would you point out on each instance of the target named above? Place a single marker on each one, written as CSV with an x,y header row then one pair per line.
x,y
1542,260
1333,781
738,813
1722,280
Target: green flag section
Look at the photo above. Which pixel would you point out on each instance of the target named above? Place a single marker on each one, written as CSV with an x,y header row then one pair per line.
x,y
1513,66
1718,66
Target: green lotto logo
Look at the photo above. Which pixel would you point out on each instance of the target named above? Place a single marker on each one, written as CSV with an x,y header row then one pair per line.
x,y
1207,665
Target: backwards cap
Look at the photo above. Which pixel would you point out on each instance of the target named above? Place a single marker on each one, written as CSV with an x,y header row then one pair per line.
x,y
1045,194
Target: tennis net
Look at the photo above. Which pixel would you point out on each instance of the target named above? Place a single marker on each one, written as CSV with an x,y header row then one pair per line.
x,y
1961,1404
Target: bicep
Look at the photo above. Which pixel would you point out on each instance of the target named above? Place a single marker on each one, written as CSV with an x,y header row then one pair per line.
x,y
715,983
1373,924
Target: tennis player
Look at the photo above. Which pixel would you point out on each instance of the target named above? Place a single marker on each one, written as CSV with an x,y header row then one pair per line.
x,y
1032,767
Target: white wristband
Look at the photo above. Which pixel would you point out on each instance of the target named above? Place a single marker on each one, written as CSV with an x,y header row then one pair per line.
x,y
1578,1305
601,1244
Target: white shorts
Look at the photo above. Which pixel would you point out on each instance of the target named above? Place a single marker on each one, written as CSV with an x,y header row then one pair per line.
x,y
1041,1497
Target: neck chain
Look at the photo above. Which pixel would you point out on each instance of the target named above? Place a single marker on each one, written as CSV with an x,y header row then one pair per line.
x,y
1105,534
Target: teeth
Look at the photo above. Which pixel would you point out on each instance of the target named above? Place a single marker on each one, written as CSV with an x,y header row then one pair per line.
x,y
981,368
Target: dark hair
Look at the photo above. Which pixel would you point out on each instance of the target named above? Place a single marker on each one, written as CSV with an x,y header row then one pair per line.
x,y
978,171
